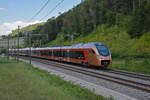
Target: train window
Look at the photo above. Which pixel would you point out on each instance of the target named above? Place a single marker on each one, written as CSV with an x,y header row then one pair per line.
x,y
103,50
31,52
34,52
54,53
71,54
93,51
37,52
42,53
58,53
46,53
77,54
49,53
28,52
63,53
81,54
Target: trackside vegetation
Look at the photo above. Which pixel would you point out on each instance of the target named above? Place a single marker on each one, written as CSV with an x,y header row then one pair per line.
x,y
21,81
141,65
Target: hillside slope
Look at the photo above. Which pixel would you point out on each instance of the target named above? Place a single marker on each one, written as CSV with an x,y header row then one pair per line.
x,y
27,29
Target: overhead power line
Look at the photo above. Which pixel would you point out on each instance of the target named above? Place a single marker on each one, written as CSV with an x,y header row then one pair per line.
x,y
40,10
61,1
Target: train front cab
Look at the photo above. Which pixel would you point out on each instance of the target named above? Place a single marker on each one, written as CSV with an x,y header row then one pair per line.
x,y
104,55
99,56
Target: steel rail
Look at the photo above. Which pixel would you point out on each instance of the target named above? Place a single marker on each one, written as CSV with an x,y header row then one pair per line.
x,y
132,75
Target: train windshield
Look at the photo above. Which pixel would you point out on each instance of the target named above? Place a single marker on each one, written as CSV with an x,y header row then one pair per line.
x,y
103,50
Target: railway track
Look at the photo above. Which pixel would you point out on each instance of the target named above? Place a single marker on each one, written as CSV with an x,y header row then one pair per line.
x,y
130,74
133,84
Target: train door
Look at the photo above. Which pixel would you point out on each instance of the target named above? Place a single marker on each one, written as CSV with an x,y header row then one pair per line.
x,y
52,57
68,58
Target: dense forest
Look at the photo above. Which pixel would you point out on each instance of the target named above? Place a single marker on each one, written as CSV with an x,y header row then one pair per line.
x,y
84,18
124,25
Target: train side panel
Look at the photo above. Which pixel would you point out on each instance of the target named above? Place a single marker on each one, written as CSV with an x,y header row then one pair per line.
x,y
92,58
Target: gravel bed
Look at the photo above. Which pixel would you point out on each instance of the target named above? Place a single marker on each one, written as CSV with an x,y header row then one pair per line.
x,y
140,95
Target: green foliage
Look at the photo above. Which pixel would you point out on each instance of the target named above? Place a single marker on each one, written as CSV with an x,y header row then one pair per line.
x,y
140,23
144,45
110,17
119,18
138,65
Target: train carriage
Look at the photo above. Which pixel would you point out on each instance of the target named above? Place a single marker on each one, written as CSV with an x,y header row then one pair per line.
x,y
95,54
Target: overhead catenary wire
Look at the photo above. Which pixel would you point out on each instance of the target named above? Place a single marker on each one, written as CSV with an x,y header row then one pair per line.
x,y
46,3
59,3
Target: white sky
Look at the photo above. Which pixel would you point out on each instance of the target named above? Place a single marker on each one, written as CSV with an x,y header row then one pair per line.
x,y
7,27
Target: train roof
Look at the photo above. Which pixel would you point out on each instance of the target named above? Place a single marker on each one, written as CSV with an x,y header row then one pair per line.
x,y
74,46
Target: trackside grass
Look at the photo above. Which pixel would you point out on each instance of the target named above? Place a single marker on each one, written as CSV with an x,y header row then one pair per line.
x,y
133,65
21,81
